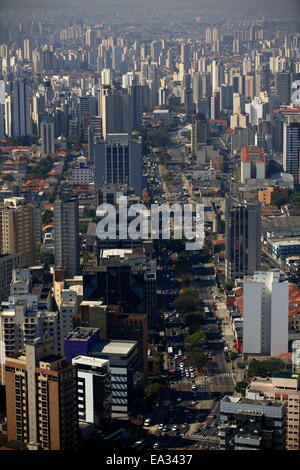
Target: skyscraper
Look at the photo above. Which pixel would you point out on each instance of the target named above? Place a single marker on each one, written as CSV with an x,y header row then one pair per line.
x,y
115,108
291,148
21,119
199,132
243,234
41,398
266,304
118,160
66,234
283,87
17,229
47,136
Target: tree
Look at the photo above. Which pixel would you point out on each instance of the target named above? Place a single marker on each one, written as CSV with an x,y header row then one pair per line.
x,y
264,368
278,199
241,387
195,340
152,391
197,358
47,216
185,303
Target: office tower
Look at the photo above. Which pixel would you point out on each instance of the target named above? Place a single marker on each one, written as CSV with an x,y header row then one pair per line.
x,y
238,102
47,137
215,106
265,318
236,46
21,119
8,120
41,398
247,424
118,160
291,148
130,326
185,52
94,132
199,132
8,263
106,77
66,234
38,111
286,389
27,50
249,86
247,65
226,97
243,233
116,58
17,229
217,75
115,108
253,164
242,137
2,109
126,373
283,87
93,390
129,282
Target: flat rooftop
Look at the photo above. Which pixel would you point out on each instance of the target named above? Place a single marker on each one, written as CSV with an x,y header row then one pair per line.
x,y
90,361
82,333
113,347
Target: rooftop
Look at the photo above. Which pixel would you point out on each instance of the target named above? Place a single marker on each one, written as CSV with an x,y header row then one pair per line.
x,y
114,347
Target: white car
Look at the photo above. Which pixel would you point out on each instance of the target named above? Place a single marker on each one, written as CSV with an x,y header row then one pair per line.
x,y
160,427
194,387
174,428
147,422
192,375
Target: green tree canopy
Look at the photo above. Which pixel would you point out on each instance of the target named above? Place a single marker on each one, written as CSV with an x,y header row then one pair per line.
x,y
152,391
195,340
268,367
241,387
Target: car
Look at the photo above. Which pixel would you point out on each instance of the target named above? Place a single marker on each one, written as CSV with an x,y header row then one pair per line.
x,y
165,429
179,398
174,428
187,374
192,375
194,387
147,422
156,445
160,427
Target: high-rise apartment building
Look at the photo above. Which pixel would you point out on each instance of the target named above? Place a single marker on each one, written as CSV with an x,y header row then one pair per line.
x,y
41,397
8,263
265,318
17,229
66,234
243,234
118,160
47,136
199,132
253,163
217,75
21,120
291,148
